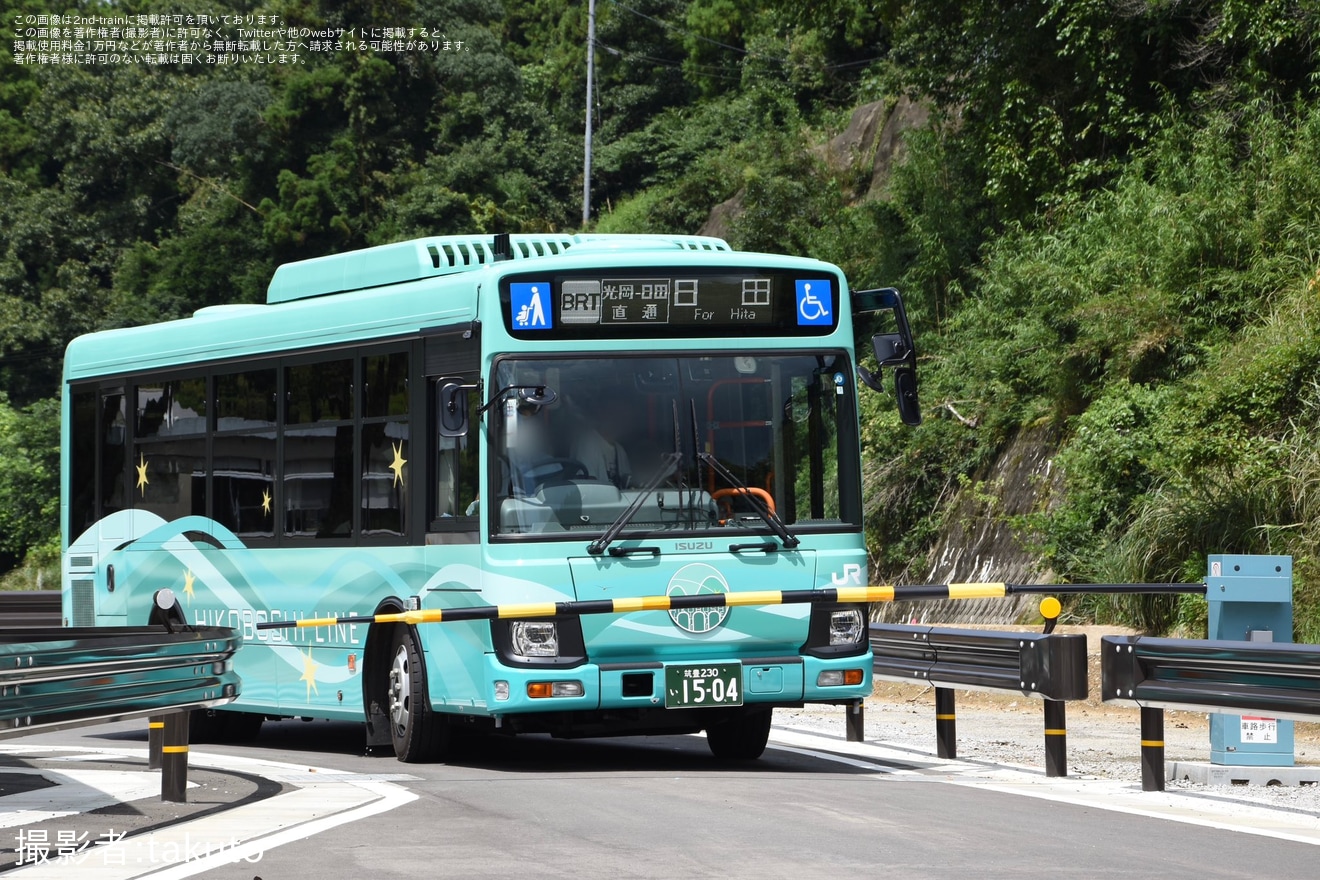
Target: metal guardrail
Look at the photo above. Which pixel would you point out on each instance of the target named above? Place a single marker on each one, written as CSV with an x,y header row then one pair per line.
x,y
68,677
1050,666
1281,680
30,608
56,677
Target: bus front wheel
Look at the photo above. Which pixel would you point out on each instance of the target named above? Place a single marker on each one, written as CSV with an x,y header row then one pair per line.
x,y
418,734
742,737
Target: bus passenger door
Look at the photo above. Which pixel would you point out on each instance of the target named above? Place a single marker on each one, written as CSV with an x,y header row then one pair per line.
x,y
453,485
454,652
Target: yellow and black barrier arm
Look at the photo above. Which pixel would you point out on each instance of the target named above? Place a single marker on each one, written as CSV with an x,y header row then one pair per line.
x,y
899,593
662,603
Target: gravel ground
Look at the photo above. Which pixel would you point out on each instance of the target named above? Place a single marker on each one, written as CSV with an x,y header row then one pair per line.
x,y
1103,741
1104,744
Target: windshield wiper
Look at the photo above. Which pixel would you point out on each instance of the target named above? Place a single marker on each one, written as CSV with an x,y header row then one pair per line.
x,y
670,461
772,520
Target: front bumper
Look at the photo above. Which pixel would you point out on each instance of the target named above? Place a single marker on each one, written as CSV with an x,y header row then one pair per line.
x,y
767,682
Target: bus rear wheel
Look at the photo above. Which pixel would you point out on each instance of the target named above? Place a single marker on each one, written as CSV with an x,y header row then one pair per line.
x,y
742,737
418,734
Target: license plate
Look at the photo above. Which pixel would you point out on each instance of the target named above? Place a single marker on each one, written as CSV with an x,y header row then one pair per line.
x,y
713,684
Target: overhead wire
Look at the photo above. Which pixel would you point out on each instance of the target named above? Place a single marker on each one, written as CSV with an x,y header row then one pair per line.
x,y
740,50
696,36
706,69
26,356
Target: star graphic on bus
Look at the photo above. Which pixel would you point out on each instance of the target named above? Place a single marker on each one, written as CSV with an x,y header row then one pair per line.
x,y
265,501
309,674
398,463
188,580
142,480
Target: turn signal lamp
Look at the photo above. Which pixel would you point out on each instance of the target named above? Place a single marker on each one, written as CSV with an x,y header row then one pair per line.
x,y
541,689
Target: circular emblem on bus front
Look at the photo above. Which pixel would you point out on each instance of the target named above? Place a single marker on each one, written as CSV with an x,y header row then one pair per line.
x,y
695,579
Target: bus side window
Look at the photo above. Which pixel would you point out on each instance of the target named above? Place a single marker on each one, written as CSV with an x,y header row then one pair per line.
x,y
113,432
455,504
82,462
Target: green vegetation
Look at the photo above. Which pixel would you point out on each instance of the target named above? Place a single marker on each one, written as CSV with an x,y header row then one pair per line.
x,y
1107,226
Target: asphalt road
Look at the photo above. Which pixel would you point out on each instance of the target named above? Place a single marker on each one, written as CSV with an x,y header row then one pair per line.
x,y
662,807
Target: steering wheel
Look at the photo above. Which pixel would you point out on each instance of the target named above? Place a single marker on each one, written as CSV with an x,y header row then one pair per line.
x,y
555,469
766,498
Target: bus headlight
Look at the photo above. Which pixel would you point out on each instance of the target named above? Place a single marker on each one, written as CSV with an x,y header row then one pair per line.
x,y
544,643
837,630
534,638
846,627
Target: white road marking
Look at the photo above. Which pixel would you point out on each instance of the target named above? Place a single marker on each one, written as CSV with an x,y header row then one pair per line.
x,y
77,790
321,799
1101,794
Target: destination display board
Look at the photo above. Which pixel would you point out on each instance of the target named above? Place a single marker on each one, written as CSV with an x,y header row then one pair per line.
x,y
669,302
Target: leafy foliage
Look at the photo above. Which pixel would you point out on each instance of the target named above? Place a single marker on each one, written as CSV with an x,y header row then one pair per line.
x,y
29,485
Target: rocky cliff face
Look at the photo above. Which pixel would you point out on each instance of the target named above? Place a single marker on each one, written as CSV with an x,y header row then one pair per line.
x,y
980,544
865,151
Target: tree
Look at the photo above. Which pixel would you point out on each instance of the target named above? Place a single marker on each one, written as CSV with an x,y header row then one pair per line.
x,y
29,477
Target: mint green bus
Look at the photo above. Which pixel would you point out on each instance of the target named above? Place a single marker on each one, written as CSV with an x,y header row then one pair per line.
x,y
471,421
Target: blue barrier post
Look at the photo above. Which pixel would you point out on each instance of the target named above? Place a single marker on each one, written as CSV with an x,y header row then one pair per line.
x,y
1250,601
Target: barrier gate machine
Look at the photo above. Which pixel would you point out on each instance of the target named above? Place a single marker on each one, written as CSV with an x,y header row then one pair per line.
x,y
1250,600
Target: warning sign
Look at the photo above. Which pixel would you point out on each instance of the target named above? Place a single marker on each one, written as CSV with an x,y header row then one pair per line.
x,y
1259,730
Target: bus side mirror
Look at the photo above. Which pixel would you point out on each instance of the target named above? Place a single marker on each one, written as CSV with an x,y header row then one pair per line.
x,y
452,408
894,350
905,388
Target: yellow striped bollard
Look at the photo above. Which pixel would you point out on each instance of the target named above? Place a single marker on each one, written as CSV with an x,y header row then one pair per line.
x,y
174,759
1056,713
155,737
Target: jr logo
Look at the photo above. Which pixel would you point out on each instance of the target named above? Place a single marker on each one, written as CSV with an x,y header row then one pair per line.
x,y
852,574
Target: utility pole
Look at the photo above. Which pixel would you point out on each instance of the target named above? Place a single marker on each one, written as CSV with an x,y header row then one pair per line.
x,y
586,158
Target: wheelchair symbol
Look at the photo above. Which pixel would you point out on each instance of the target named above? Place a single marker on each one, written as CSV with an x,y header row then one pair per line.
x,y
811,308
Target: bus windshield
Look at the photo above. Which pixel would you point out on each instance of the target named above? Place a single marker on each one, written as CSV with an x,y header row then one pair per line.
x,y
781,425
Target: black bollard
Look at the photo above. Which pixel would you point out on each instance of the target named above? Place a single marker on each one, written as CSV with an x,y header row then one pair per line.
x,y
155,736
1056,738
174,759
856,722
1152,749
946,727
